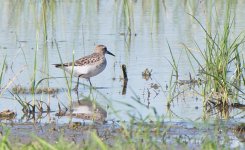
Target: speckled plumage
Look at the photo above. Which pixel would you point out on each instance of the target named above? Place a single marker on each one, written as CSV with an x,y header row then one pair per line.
x,y
90,59
87,66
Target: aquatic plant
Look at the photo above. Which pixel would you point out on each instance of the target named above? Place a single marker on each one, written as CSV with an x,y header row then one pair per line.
x,y
128,13
68,83
172,83
5,144
3,68
220,56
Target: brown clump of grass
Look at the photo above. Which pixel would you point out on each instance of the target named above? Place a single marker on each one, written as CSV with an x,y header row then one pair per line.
x,y
18,89
240,128
146,74
7,114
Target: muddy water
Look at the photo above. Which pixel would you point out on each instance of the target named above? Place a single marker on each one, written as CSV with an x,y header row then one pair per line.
x,y
73,28
177,135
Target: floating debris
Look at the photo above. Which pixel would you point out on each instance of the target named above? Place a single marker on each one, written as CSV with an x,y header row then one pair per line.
x,y
125,79
75,125
150,93
61,113
18,89
191,81
240,128
146,74
7,114
47,90
155,86
238,106
124,70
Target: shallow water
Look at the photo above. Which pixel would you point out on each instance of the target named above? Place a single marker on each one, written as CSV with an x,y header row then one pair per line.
x,y
176,135
73,28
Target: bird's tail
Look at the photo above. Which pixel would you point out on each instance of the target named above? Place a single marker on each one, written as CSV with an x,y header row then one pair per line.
x,y
57,65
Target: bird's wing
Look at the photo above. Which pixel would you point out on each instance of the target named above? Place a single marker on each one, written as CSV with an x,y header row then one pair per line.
x,y
90,59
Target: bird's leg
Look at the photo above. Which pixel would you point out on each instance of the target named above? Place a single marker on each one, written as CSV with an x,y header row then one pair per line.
x,y
90,82
77,95
76,87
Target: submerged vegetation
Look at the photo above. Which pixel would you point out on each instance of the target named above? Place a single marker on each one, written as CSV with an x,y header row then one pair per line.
x,y
22,90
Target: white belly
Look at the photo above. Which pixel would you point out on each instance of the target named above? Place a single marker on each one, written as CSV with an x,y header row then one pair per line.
x,y
86,71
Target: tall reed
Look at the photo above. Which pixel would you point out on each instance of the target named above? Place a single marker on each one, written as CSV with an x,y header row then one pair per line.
x,y
128,14
68,82
5,144
175,72
3,68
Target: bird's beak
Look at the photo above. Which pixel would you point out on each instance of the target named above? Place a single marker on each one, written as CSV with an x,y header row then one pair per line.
x,y
110,53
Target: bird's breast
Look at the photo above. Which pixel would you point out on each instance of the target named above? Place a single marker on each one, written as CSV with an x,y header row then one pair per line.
x,y
94,69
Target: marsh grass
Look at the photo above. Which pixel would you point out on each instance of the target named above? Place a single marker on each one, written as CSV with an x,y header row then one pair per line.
x,y
192,5
45,62
158,8
33,80
34,83
5,144
68,83
29,110
126,8
128,13
220,56
3,68
171,90
172,84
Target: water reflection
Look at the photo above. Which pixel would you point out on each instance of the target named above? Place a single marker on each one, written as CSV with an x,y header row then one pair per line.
x,y
87,109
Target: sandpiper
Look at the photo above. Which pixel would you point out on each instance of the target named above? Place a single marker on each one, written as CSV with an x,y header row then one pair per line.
x,y
87,66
